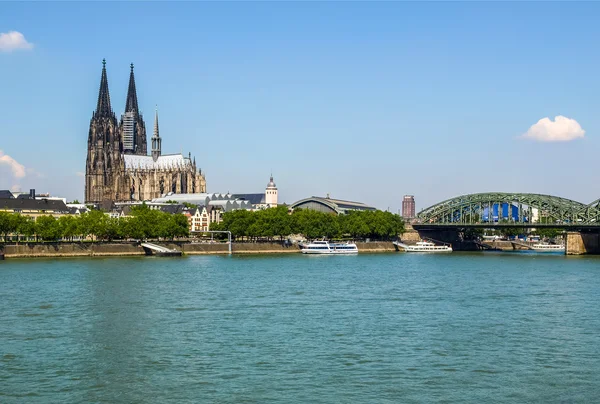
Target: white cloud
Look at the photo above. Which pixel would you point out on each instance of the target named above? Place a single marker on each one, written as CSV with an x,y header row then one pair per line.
x,y
13,40
17,169
562,129
80,174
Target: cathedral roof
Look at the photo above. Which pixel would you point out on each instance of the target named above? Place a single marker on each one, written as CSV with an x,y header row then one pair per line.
x,y
166,161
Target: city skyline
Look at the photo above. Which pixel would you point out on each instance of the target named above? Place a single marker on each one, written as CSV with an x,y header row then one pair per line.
x,y
389,98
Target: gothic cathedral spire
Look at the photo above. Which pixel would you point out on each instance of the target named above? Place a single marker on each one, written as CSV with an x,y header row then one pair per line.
x,y
156,140
103,108
131,105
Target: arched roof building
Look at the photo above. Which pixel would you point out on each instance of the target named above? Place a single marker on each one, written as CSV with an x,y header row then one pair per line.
x,y
329,205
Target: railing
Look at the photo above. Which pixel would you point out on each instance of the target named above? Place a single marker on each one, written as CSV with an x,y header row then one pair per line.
x,y
221,231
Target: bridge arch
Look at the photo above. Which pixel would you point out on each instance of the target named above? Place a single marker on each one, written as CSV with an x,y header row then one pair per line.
x,y
493,207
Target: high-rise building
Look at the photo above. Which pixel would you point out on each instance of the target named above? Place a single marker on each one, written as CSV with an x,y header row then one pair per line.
x,y
408,207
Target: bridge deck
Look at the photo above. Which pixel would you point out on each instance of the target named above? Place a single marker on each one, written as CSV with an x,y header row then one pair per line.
x,y
459,225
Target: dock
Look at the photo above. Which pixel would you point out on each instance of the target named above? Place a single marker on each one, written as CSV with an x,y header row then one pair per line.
x,y
160,251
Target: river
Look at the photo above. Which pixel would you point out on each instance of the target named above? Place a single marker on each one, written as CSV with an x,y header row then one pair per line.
x,y
395,328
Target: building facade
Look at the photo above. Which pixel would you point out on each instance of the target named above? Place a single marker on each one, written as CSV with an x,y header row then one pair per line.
x,y
199,219
408,207
118,168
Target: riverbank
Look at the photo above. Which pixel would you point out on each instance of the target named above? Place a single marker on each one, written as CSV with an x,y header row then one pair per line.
x,y
51,250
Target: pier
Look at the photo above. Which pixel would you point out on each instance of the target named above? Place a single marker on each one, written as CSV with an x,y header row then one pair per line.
x,y
155,249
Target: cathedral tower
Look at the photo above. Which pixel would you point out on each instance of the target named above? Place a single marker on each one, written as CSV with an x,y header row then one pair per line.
x,y
104,162
132,127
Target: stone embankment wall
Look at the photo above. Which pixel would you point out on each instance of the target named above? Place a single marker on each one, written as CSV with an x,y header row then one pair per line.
x,y
505,245
33,250
264,248
236,248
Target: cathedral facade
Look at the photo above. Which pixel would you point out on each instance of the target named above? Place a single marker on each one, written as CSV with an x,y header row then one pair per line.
x,y
118,168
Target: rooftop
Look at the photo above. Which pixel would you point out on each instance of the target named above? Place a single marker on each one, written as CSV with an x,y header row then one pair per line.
x,y
165,161
329,204
34,204
6,194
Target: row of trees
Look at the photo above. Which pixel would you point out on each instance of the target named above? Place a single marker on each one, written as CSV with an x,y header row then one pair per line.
x,y
278,222
149,223
143,223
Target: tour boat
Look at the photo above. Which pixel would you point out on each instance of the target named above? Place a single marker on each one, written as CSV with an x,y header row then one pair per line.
x,y
424,246
324,247
543,247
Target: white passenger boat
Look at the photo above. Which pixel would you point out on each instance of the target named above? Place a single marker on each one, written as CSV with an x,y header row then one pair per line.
x,y
324,247
424,246
544,247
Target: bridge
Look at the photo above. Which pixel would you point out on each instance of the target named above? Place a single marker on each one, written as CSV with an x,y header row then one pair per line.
x,y
497,210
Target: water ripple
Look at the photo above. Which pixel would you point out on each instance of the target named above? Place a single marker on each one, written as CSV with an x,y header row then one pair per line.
x,y
375,328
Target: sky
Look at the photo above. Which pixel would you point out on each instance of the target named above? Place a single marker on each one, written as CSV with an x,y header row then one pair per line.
x,y
361,101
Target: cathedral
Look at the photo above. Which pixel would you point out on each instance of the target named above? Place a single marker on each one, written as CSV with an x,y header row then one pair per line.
x,y
118,168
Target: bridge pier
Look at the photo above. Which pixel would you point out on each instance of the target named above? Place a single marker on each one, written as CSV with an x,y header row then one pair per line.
x,y
578,243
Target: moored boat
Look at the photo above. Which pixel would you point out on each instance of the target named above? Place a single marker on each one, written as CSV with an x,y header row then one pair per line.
x,y
544,247
324,247
424,246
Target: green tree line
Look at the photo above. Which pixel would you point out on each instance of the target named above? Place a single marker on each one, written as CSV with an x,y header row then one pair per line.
x,y
277,222
142,224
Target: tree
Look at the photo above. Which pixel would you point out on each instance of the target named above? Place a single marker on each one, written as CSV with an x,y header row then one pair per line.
x,y
509,231
68,226
180,226
97,222
47,228
547,232
8,224
26,226
111,229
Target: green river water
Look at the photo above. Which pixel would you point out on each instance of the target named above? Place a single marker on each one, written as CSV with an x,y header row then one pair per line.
x,y
380,328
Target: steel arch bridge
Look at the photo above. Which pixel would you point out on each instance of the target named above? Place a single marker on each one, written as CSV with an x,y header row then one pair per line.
x,y
500,209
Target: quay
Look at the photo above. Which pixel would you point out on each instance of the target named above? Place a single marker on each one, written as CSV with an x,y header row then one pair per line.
x,y
116,249
160,251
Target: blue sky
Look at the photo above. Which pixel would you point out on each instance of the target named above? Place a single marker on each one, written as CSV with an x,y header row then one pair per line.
x,y
364,101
